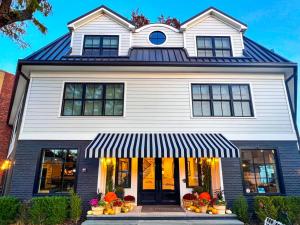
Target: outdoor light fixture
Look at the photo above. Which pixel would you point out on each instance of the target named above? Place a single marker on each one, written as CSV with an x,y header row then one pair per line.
x,y
6,165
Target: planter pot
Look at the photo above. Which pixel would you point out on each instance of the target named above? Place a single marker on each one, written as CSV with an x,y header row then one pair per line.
x,y
203,209
117,209
187,203
220,208
97,210
130,205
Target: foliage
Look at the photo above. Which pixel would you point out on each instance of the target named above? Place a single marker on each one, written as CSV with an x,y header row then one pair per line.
x,y
48,210
129,198
109,178
119,191
75,207
202,202
139,19
198,189
101,203
169,21
9,209
219,200
23,217
283,209
110,196
189,196
14,14
117,203
206,170
240,208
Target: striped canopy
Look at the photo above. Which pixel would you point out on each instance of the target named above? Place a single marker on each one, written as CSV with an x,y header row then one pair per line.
x,y
159,145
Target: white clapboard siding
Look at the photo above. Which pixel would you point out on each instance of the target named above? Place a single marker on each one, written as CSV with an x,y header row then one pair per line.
x,y
212,27
103,25
141,39
156,105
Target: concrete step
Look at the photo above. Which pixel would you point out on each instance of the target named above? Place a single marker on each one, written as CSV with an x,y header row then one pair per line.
x,y
164,222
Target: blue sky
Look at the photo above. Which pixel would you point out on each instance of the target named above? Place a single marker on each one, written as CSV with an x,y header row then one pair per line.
x,y
272,23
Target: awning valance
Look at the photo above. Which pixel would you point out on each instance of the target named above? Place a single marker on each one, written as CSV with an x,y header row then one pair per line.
x,y
159,145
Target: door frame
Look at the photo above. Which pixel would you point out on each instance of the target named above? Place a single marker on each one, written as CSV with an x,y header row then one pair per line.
x,y
158,183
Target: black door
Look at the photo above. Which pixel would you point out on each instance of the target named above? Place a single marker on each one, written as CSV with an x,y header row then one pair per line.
x,y
158,181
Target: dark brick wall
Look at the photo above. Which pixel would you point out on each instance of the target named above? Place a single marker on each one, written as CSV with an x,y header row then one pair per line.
x,y
5,130
288,161
28,157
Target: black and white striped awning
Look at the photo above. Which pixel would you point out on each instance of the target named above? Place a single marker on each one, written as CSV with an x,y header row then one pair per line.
x,y
159,145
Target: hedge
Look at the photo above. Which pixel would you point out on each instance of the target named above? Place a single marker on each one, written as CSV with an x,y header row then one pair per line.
x,y
9,210
276,207
240,208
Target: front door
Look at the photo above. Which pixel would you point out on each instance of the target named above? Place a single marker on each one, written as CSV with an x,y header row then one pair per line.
x,y
158,181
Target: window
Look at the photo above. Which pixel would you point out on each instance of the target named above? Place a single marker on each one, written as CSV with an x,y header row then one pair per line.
x,y
96,45
123,173
93,99
58,170
157,37
221,100
213,46
259,171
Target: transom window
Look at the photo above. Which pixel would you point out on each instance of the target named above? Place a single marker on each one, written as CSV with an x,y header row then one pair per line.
x,y
93,99
221,100
213,46
259,171
157,37
100,45
58,171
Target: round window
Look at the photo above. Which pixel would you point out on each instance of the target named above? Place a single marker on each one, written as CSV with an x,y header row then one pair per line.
x,y
157,37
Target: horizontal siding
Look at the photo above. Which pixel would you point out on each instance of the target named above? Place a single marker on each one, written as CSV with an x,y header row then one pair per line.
x,y
102,25
154,105
213,27
141,39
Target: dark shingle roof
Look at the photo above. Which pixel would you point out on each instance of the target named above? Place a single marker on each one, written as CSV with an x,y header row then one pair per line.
x,y
59,52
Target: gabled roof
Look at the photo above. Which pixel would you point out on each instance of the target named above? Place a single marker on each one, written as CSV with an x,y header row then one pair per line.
x,y
99,10
58,52
217,13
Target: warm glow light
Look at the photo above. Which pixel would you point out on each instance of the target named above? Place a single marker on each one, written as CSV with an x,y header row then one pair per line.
x,y
243,165
6,165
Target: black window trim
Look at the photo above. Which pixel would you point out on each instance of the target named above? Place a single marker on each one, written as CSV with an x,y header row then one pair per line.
x,y
129,172
186,174
83,99
213,49
101,45
38,170
211,100
278,172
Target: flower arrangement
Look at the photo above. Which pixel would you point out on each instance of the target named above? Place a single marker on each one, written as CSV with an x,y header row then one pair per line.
x,y
189,197
202,202
102,203
205,196
110,196
129,198
117,203
94,202
219,200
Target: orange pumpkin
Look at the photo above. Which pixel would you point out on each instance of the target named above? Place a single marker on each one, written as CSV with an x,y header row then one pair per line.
x,y
205,195
110,196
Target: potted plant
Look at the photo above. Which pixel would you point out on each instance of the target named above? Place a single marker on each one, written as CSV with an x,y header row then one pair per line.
x,y
197,191
97,206
117,205
188,200
202,204
129,201
110,196
219,202
119,192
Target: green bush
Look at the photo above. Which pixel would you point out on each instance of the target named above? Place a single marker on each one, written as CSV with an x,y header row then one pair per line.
x,y
48,210
276,207
75,207
9,209
240,208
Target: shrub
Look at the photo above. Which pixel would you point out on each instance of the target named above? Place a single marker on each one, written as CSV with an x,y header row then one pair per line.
x,y
75,207
240,208
277,207
48,210
9,209
198,190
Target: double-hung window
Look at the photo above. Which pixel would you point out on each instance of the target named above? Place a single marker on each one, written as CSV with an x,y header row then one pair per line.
x,y
213,46
221,100
100,45
259,171
93,99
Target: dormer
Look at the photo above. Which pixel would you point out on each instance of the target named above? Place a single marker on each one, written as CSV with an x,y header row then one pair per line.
x,y
101,32
213,33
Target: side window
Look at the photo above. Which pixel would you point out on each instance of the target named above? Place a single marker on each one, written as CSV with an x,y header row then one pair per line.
x,y
100,45
213,46
58,171
123,172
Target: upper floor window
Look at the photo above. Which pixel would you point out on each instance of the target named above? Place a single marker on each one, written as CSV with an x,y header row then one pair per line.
x,y
58,171
157,37
213,46
100,45
93,99
259,171
221,100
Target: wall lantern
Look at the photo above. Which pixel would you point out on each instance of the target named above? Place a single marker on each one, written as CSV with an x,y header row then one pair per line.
x,y
6,165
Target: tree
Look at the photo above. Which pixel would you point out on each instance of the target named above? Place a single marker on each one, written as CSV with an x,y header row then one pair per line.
x,y
139,19
15,13
169,21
